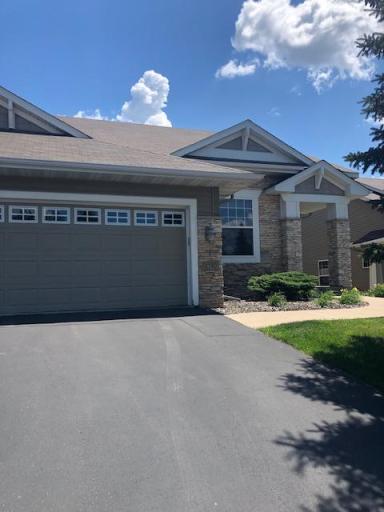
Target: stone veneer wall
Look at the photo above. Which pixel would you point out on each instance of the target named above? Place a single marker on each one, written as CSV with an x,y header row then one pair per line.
x,y
339,253
210,267
236,275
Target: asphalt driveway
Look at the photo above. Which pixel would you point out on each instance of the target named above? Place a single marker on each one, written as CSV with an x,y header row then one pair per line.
x,y
180,414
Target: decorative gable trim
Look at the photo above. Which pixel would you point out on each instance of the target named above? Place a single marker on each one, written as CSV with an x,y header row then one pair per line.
x,y
49,124
247,130
320,171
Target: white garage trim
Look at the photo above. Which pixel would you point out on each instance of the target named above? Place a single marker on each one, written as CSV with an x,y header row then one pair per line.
x,y
107,199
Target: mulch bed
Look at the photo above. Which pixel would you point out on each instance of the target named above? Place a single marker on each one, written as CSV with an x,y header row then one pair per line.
x,y
233,306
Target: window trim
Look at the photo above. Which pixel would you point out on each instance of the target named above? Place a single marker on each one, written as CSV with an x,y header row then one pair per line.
x,y
12,221
253,195
145,224
45,208
87,223
2,210
322,275
121,210
171,212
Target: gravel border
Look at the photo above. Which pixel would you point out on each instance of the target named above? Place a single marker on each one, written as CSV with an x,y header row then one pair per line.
x,y
233,306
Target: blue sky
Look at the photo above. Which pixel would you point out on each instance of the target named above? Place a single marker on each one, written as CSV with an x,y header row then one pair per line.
x,y
82,55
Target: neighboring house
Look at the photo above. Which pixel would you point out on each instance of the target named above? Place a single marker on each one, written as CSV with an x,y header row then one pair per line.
x,y
99,215
367,226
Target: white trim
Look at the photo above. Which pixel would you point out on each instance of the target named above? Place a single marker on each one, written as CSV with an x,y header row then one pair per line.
x,y
117,210
168,202
45,208
145,223
327,171
260,132
2,213
169,212
255,258
87,209
373,275
38,112
369,242
13,221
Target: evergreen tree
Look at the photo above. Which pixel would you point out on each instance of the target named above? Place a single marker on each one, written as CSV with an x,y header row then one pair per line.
x,y
372,45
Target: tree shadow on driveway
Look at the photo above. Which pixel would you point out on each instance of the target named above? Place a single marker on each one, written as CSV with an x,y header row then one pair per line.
x,y
350,450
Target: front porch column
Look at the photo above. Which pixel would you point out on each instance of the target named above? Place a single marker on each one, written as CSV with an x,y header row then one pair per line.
x,y
292,245
339,246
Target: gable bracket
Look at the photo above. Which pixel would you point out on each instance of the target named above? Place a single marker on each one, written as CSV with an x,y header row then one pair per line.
x,y
319,178
245,137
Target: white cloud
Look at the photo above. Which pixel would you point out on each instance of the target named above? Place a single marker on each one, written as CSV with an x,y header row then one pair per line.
x,y
296,89
148,99
88,114
234,68
274,112
315,35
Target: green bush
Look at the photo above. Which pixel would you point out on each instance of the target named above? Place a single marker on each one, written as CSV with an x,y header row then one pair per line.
x,y
325,299
350,297
294,285
277,299
377,291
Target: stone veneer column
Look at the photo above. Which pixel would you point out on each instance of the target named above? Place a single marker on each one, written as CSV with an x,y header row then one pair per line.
x,y
211,283
291,238
339,253
292,245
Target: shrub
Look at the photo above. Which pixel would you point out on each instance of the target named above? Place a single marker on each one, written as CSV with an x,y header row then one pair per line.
x,y
325,299
349,297
294,285
277,299
377,291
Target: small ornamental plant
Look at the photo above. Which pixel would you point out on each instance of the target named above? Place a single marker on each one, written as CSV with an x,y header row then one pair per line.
x,y
277,300
377,291
350,297
325,299
294,285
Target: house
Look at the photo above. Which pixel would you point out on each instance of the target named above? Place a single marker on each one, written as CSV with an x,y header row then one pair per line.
x,y
366,225
99,215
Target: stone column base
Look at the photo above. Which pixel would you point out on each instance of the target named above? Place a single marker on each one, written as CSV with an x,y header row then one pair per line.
x,y
339,253
292,245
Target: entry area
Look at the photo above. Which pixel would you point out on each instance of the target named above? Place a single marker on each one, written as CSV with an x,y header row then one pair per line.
x,y
59,258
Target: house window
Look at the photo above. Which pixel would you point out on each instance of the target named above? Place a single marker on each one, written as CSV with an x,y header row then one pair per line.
x,y
145,218
173,219
1,213
118,217
53,215
87,216
323,271
365,263
237,220
24,214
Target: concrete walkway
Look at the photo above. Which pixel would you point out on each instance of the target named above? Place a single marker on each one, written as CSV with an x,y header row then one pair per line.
x,y
265,319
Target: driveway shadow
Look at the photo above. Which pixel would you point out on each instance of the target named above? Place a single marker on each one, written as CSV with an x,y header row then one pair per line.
x,y
92,316
352,451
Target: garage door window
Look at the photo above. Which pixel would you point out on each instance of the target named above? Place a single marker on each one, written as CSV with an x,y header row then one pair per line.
x,y
117,217
173,219
53,215
87,216
22,214
145,218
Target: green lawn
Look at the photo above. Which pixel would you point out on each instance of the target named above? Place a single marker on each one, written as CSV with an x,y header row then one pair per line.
x,y
355,346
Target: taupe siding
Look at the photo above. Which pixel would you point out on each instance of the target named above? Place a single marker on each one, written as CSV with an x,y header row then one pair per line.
x,y
23,125
315,244
207,198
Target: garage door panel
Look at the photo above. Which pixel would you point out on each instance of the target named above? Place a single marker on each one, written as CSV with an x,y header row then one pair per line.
x,y
72,267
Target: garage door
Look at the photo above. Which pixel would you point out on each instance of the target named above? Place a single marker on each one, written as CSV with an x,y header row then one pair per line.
x,y
67,258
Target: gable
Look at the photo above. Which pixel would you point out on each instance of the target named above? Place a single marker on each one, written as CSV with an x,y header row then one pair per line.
x,y
245,142
309,186
18,115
